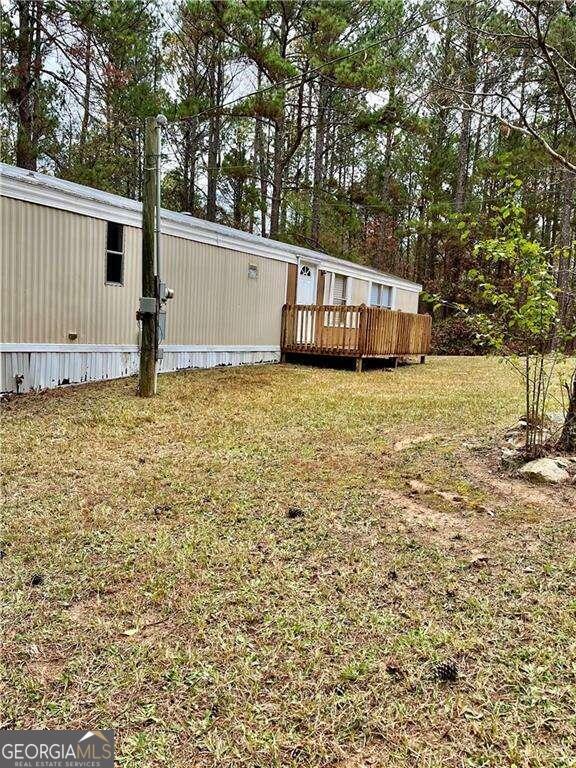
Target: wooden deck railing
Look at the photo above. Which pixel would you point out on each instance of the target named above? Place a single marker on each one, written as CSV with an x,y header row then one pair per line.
x,y
354,331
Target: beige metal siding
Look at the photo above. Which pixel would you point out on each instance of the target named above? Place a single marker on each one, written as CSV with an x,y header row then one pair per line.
x,y
53,282
358,291
216,302
53,278
407,301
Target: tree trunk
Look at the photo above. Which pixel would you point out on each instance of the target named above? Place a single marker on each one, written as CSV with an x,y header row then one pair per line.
x,y
188,197
463,157
277,176
260,161
470,77
568,436
214,141
306,182
279,140
238,192
26,154
86,95
185,169
323,96
420,245
564,244
188,194
383,253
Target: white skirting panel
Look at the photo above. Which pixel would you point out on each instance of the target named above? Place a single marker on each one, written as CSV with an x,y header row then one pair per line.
x,y
27,367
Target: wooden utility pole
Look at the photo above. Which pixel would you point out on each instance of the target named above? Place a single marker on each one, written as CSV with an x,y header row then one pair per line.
x,y
148,307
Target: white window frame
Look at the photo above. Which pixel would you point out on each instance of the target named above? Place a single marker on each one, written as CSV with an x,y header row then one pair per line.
x,y
331,320
348,287
121,253
392,289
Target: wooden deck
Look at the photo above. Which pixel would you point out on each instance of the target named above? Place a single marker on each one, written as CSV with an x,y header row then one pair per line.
x,y
358,332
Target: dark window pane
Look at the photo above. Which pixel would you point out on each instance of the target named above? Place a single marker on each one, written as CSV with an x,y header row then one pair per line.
x,y
114,237
113,267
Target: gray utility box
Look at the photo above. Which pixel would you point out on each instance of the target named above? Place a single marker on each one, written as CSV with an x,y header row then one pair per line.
x,y
147,305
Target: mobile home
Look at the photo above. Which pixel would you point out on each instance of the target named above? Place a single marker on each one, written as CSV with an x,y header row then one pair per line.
x,y
71,281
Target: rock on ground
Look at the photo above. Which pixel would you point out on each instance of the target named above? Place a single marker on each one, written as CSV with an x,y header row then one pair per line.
x,y
544,471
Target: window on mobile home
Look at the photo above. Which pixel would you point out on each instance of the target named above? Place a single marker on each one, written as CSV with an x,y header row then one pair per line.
x,y
340,289
381,296
115,253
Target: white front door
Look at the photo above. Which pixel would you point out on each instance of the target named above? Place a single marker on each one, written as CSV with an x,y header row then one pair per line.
x,y
306,293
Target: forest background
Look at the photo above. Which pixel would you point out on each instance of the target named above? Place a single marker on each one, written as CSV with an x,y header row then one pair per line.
x,y
380,131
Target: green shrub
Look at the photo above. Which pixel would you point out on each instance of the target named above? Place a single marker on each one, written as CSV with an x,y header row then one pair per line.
x,y
455,335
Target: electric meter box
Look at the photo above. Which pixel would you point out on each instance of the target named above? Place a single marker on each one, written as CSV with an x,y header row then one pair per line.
x,y
162,325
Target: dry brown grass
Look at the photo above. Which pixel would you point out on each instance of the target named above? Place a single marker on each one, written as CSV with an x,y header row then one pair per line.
x,y
183,608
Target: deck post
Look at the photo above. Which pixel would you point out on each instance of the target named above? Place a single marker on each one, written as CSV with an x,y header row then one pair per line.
x,y
362,332
283,333
359,365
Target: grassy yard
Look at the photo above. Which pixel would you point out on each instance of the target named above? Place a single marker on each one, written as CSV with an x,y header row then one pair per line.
x,y
181,604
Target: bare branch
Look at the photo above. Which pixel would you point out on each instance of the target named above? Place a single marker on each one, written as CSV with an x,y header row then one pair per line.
x,y
524,127
541,41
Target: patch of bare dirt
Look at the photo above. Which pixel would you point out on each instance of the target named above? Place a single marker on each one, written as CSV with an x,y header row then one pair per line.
x,y
554,501
45,671
140,627
364,760
409,442
84,611
455,522
445,528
